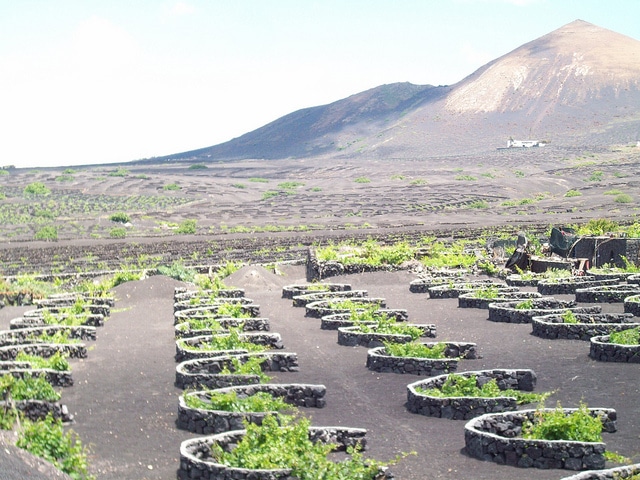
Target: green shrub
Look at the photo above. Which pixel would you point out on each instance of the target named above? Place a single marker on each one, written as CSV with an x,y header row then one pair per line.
x,y
418,181
623,198
461,386
178,271
4,171
519,173
362,180
282,443
118,232
57,361
197,166
578,426
48,232
630,336
258,180
525,305
479,204
120,172
187,227
596,176
415,350
290,185
270,194
36,188
238,185
467,178
597,227
230,341
231,402
232,310
251,366
573,193
569,317
64,178
120,217
614,191
27,388
172,186
47,439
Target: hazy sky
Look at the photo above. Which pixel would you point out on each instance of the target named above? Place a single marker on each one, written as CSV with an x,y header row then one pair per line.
x,y
85,81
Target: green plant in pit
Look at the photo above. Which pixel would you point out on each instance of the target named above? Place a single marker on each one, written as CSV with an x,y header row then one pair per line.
x,y
488,267
228,341
8,417
27,388
630,336
441,255
58,361
290,185
58,337
258,180
623,198
389,326
573,193
415,350
36,189
187,227
119,172
569,317
362,180
66,316
198,166
47,439
231,402
596,176
578,426
49,232
460,386
597,227
120,217
250,366
178,271
204,323
118,232
488,292
30,285
479,204
527,304
467,178
232,309
282,442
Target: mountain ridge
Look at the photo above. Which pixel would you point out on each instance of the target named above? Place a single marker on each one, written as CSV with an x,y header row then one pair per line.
x,y
579,84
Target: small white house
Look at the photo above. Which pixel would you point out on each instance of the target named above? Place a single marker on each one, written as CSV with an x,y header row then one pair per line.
x,y
524,143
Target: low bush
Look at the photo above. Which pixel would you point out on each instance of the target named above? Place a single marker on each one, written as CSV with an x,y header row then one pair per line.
x,y
187,227
48,232
231,402
118,232
630,336
284,443
47,439
461,386
120,217
27,388
415,350
37,189
577,426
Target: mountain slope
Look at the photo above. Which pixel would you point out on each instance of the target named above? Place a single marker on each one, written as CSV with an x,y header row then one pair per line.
x,y
578,85
312,131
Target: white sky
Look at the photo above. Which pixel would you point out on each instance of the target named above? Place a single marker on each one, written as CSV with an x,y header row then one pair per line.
x,y
95,81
